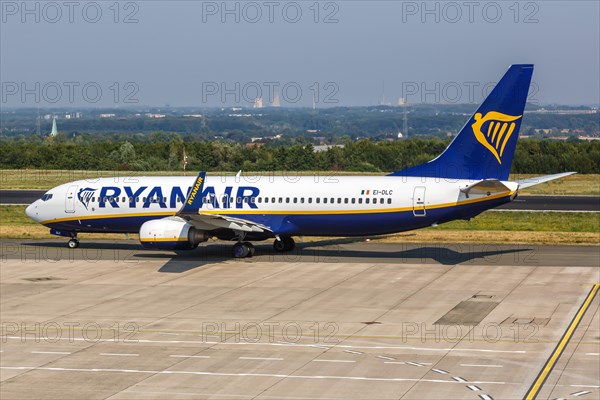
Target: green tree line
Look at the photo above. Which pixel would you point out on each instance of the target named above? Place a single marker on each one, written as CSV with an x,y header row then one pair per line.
x,y
165,153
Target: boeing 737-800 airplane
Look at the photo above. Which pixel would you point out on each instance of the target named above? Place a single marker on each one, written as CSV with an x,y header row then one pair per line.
x,y
469,177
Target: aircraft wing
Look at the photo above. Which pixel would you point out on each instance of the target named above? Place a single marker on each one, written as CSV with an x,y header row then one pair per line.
x,y
525,183
485,186
191,211
216,221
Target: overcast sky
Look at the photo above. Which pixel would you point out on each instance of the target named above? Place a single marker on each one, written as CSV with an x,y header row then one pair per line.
x,y
188,53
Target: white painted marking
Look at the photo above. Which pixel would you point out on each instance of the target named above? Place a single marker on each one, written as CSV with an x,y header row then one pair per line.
x,y
445,350
592,354
581,393
474,388
482,365
50,352
186,356
414,364
485,397
386,358
458,379
394,362
319,347
353,352
439,371
262,358
203,373
336,361
120,354
168,333
586,386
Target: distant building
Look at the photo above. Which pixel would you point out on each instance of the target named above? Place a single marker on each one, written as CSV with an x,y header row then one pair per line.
x,y
326,147
588,138
152,115
107,115
276,102
54,131
258,102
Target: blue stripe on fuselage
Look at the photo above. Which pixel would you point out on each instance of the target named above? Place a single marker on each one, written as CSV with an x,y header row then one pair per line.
x,y
307,224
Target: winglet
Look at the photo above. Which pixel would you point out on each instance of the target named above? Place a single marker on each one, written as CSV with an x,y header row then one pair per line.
x,y
194,198
525,183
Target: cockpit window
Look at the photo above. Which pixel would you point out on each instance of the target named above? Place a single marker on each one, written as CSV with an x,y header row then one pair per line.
x,y
46,197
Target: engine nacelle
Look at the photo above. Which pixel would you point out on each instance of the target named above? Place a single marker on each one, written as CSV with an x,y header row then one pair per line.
x,y
171,233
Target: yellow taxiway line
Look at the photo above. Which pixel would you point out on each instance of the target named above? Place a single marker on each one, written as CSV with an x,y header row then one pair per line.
x,y
560,347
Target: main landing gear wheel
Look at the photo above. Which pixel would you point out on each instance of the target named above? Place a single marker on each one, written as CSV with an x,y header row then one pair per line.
x,y
73,243
284,245
243,249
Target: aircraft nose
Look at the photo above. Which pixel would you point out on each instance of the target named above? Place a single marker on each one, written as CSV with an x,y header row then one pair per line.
x,y
31,211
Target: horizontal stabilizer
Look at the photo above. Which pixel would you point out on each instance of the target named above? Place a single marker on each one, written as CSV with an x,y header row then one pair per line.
x,y
525,183
485,186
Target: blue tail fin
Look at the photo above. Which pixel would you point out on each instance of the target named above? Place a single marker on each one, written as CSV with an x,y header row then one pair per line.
x,y
485,146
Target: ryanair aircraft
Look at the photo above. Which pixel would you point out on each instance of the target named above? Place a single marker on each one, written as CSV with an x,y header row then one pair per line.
x,y
469,177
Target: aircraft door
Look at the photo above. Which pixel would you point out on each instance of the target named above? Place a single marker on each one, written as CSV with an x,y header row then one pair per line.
x,y
419,201
70,199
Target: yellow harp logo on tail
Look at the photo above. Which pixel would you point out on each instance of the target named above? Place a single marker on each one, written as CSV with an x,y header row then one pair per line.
x,y
500,128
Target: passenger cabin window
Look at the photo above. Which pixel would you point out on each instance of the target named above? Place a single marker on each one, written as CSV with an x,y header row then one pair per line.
x,y
367,200
324,200
360,200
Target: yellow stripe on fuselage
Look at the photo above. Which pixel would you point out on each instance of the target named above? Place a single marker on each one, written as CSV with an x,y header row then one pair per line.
x,y
282,212
164,240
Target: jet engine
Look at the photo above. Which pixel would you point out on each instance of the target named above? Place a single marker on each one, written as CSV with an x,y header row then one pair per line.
x,y
171,233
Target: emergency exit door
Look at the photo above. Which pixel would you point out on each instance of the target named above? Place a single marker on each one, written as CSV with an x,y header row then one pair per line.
x,y
419,201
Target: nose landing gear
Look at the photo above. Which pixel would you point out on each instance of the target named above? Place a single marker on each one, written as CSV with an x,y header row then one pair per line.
x,y
73,243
